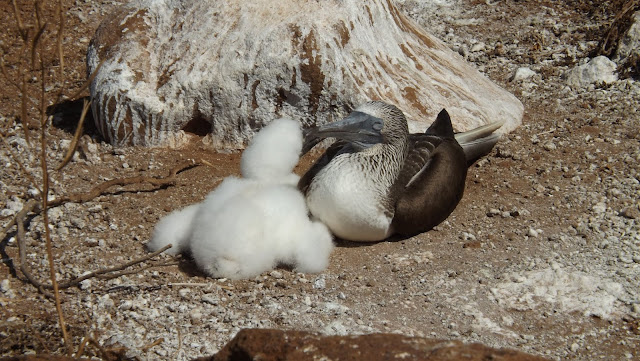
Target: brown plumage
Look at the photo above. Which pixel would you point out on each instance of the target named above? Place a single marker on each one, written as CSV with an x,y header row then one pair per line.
x,y
437,169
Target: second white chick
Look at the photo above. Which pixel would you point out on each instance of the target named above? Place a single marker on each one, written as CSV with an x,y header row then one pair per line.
x,y
250,225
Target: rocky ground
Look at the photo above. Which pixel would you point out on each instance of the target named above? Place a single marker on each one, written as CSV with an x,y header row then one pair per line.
x,y
541,255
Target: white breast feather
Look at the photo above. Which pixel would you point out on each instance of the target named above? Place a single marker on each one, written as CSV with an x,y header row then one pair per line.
x,y
347,201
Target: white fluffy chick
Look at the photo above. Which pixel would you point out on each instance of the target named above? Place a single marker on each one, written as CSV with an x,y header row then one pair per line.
x,y
250,225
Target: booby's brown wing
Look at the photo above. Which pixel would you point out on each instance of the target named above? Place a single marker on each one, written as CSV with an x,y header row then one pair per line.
x,y
432,192
421,148
325,158
432,179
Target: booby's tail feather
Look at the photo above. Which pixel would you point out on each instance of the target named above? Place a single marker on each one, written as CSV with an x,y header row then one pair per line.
x,y
479,142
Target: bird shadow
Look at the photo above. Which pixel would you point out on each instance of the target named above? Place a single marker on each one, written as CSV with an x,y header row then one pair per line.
x,y
188,266
66,115
343,243
6,259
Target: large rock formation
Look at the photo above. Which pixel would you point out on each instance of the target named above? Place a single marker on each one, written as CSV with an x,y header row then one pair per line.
x,y
226,67
274,345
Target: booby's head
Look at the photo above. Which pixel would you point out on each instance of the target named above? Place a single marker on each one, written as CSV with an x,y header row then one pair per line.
x,y
371,123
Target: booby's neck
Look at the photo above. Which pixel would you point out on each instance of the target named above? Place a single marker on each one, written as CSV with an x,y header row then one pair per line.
x,y
383,162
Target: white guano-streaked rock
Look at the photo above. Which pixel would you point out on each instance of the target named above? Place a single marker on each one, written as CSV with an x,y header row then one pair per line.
x,y
630,43
598,70
165,69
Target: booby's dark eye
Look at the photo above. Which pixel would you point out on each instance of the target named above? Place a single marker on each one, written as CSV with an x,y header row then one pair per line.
x,y
378,125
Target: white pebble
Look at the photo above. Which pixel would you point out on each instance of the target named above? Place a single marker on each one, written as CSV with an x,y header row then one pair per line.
x,y
5,286
575,347
319,283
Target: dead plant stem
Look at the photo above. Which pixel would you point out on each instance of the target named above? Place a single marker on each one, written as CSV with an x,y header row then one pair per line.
x,y
44,120
76,136
47,233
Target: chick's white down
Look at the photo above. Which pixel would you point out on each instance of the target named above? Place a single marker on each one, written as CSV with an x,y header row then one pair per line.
x,y
250,225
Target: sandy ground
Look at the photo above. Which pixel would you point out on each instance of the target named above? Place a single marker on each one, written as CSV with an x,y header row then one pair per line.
x,y
541,255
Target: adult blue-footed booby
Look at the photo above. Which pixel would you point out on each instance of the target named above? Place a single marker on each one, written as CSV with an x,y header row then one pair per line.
x,y
377,179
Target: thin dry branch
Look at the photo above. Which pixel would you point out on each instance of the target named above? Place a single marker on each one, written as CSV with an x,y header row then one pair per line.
x,y
129,272
23,108
117,268
101,188
34,45
76,136
157,342
98,191
22,247
86,83
16,13
47,235
59,39
175,354
105,273
608,45
83,344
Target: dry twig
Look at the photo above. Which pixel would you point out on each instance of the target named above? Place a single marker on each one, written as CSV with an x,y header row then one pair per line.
x,y
106,273
87,83
175,354
96,192
157,342
101,188
120,267
76,136
83,344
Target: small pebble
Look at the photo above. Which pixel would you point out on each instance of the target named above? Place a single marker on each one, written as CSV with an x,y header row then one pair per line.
x,y
85,284
319,283
210,298
184,293
522,74
91,242
630,212
599,208
5,286
534,232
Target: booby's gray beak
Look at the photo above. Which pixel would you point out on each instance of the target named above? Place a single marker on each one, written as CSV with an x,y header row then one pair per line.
x,y
358,128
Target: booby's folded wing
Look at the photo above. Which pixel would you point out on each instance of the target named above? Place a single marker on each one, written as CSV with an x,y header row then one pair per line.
x,y
432,180
421,148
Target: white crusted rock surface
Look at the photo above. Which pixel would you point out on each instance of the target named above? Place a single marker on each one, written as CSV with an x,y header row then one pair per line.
x,y
165,69
629,45
597,70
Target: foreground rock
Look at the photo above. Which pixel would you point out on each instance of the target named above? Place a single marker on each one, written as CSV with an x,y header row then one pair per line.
x,y
226,68
267,345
